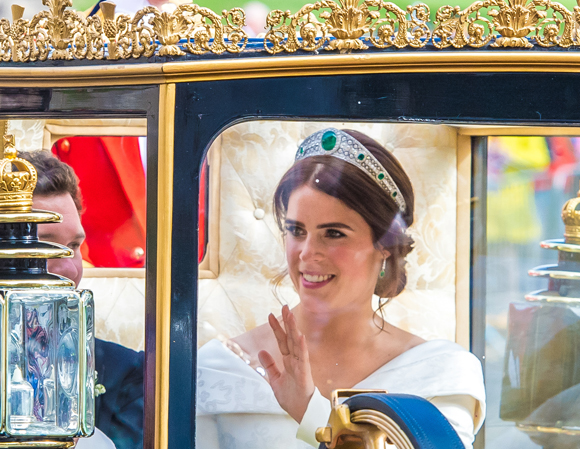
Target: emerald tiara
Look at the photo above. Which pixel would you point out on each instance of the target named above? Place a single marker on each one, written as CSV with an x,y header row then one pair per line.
x,y
337,143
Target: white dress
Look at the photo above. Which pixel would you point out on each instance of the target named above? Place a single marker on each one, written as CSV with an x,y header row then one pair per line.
x,y
236,408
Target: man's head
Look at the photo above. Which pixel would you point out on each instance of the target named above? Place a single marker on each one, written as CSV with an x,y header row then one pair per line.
x,y
57,190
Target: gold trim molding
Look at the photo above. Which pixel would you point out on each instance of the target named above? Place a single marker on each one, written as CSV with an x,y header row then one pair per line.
x,y
266,67
344,25
164,227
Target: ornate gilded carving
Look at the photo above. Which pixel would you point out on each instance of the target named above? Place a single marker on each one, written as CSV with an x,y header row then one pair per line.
x,y
117,31
150,25
12,35
201,31
62,33
346,25
516,22
196,25
347,21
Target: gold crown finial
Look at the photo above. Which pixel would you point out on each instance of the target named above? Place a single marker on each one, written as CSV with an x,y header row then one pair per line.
x,y
9,147
17,13
571,219
16,187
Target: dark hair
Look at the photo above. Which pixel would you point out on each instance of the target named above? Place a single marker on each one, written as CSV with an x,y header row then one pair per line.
x,y
357,190
54,177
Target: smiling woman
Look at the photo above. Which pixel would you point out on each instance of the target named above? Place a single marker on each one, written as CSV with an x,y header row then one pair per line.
x,y
344,208
371,183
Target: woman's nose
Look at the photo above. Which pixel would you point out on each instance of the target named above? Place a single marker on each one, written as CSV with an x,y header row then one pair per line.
x,y
311,249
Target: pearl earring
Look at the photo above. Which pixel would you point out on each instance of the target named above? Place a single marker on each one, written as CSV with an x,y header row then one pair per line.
x,y
382,274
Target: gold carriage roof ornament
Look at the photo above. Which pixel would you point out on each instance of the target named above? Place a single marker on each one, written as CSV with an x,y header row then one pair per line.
x,y
16,186
62,33
571,219
18,179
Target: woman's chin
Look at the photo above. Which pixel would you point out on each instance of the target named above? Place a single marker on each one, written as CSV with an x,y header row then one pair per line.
x,y
317,299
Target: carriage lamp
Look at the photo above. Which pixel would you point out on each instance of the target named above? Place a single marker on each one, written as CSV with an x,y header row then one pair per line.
x,y
46,330
541,378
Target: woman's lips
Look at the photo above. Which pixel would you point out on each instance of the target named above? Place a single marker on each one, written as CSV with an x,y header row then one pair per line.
x,y
314,284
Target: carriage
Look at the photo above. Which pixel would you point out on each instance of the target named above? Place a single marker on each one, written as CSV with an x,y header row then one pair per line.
x,y
179,126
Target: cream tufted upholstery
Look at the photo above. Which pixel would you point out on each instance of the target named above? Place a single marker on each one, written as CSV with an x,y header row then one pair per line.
x,y
253,158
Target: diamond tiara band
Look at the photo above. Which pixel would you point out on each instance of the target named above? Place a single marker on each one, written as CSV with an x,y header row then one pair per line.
x,y
337,143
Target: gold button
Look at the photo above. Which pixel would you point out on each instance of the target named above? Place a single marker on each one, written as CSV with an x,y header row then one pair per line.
x,y
137,253
65,145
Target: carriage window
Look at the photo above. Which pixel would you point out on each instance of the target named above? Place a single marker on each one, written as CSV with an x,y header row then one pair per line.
x,y
341,245
532,296
111,173
93,172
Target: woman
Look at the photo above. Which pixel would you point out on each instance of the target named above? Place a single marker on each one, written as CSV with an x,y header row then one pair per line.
x,y
344,208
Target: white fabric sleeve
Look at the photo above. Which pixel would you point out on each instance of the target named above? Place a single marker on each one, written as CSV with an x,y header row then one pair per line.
x,y
206,432
459,409
317,414
97,441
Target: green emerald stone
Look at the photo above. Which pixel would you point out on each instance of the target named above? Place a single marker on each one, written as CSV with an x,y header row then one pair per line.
x,y
381,176
361,157
301,150
328,140
394,194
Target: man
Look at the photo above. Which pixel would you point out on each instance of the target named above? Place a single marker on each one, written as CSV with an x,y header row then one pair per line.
x,y
119,412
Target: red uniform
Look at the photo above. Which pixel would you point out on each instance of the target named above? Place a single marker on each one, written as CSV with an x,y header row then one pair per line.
x,y
112,184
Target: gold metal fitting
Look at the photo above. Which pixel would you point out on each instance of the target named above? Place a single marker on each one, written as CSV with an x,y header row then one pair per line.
x,y
37,444
571,219
16,187
342,432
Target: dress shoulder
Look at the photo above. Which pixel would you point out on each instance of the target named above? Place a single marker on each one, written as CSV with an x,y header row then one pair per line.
x,y
433,369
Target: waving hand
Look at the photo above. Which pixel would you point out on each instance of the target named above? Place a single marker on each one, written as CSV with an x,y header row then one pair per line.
x,y
292,383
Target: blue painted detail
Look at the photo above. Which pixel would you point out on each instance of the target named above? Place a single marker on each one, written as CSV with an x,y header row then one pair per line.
x,y
420,420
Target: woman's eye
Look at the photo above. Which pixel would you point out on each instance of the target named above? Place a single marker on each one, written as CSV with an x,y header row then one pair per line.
x,y
294,230
334,234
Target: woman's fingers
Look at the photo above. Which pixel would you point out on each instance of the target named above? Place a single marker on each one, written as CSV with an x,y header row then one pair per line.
x,y
301,349
285,318
268,363
298,342
280,335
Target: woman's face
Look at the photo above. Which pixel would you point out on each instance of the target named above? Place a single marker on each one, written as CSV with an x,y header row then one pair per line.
x,y
331,257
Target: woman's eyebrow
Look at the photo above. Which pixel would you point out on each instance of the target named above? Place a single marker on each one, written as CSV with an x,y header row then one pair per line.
x,y
334,225
293,222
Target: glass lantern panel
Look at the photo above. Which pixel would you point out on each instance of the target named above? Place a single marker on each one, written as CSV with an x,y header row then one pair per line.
x,y
89,375
43,364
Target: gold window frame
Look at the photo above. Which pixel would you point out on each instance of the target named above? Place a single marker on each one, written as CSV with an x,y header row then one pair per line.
x,y
56,129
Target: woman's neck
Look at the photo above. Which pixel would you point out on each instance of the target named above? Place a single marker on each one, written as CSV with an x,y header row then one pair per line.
x,y
347,327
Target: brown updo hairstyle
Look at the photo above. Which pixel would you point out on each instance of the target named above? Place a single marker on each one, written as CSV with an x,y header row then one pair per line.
x,y
357,190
